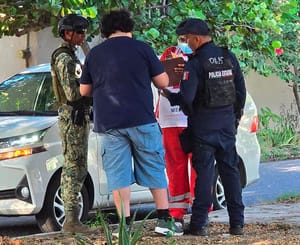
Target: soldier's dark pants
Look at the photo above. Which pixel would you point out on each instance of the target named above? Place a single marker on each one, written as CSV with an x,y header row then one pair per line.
x,y
216,145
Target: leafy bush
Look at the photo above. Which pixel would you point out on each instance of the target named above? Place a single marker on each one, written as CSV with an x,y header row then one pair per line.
x,y
128,235
278,134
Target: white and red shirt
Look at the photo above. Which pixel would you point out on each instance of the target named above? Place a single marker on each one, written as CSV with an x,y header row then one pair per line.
x,y
170,116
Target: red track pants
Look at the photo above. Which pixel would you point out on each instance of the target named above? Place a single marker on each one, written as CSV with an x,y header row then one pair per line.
x,y
180,174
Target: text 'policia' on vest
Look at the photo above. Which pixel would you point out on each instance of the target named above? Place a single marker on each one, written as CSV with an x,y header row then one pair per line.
x,y
219,81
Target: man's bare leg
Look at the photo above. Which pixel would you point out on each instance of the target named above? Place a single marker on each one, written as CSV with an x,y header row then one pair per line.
x,y
160,197
122,197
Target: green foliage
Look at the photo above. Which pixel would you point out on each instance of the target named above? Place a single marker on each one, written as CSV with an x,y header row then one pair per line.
x,y
289,197
128,235
285,65
105,226
278,134
248,27
80,240
278,130
97,220
252,29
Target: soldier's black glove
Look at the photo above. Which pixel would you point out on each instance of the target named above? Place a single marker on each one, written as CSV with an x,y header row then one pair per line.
x,y
91,114
79,110
78,115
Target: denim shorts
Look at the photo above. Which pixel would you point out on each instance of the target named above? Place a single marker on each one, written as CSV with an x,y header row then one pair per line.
x,y
133,155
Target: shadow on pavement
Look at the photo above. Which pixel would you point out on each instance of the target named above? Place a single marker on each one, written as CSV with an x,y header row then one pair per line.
x,y
26,225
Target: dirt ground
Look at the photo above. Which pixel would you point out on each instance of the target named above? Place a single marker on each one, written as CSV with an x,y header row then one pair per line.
x,y
265,225
256,234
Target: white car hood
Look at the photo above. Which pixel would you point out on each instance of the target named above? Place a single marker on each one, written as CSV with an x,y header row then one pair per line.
x,y
20,125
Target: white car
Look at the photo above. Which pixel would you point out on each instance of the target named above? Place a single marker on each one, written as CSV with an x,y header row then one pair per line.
x,y
31,154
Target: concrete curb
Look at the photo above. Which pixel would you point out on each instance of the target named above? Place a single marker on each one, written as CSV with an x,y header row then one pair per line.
x,y
265,213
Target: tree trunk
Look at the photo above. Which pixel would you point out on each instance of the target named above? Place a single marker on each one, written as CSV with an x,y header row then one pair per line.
x,y
295,88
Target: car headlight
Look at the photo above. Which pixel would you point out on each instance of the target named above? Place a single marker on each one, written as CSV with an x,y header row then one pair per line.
x,y
22,145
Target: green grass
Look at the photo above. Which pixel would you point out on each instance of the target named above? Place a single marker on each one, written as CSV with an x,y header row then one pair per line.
x,y
128,234
278,153
278,135
289,197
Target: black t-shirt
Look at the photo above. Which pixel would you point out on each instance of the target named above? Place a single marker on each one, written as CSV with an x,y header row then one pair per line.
x,y
120,70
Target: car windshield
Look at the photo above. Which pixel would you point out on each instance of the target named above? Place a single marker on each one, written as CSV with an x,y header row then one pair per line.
x,y
28,94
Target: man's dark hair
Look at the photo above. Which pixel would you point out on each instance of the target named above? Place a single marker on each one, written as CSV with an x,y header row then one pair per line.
x,y
116,20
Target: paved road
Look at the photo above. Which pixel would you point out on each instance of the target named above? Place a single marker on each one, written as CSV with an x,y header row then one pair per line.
x,y
276,179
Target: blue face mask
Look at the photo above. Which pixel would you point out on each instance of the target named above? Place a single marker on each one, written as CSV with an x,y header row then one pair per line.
x,y
185,48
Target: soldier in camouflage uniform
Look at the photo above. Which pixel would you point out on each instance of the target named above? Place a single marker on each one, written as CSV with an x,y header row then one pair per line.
x,y
73,117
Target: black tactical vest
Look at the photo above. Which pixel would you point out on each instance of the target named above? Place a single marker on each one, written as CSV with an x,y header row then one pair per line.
x,y
219,81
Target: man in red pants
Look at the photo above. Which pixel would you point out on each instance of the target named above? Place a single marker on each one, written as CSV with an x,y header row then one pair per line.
x,y
172,121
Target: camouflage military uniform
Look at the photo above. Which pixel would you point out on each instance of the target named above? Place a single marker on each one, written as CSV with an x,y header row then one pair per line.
x,y
74,138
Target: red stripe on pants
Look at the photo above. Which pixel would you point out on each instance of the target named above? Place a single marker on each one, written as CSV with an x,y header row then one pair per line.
x,y
177,166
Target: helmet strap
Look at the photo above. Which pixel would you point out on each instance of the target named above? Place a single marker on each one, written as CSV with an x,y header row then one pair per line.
x,y
68,40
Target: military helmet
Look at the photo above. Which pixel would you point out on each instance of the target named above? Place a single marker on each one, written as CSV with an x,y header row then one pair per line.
x,y
72,22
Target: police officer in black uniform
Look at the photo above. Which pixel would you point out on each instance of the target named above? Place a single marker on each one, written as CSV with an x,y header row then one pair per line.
x,y
213,95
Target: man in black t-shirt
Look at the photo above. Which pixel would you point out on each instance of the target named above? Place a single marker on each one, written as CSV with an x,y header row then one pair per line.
x,y
118,73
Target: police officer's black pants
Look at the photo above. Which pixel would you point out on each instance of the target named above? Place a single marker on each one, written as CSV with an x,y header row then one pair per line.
x,y
216,145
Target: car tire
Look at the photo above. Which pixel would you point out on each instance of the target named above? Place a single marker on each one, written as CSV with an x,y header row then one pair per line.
x,y
219,201
52,215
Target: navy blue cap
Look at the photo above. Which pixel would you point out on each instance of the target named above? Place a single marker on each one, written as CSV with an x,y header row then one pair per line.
x,y
192,26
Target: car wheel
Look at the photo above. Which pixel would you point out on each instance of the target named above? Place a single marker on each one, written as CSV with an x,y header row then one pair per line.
x,y
52,215
219,201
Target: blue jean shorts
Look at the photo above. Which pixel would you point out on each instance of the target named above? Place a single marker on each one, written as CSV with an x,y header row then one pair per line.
x,y
133,155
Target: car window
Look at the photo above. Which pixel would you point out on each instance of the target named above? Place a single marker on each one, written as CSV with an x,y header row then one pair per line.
x,y
27,92
46,100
